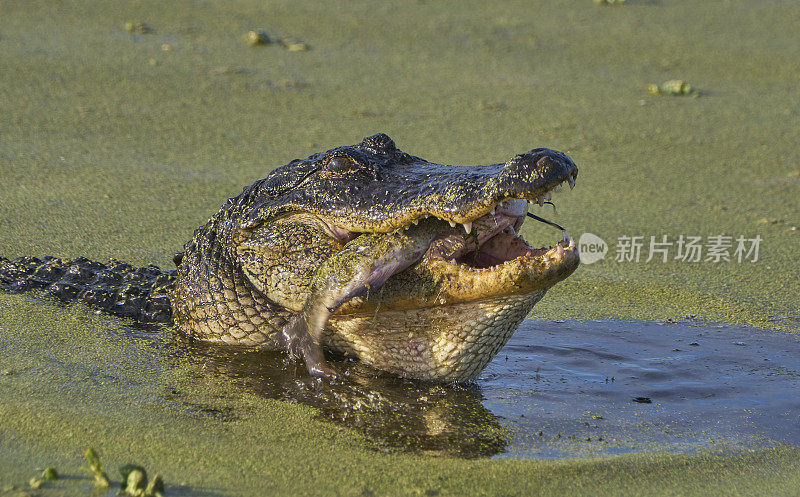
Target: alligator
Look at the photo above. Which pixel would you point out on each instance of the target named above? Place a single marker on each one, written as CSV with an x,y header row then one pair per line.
x,y
413,267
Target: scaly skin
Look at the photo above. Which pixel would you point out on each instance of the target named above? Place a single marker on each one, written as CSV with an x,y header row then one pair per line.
x,y
361,249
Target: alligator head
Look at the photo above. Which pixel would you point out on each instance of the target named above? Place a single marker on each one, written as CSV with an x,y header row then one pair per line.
x,y
414,267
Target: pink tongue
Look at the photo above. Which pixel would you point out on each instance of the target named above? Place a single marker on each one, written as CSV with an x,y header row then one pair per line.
x,y
455,243
497,250
480,260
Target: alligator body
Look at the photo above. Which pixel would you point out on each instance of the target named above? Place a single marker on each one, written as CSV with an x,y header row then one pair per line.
x,y
416,268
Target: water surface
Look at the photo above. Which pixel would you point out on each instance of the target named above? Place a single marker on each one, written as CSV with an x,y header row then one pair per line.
x,y
562,389
604,387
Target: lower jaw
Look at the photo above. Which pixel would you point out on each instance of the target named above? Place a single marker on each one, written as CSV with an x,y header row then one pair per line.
x,y
450,343
440,283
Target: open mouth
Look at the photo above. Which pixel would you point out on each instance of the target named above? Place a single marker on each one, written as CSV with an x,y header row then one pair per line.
x,y
486,242
491,240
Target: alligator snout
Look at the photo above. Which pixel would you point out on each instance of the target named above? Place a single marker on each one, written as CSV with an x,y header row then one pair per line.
x,y
530,174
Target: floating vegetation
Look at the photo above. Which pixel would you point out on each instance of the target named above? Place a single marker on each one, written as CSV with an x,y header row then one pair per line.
x,y
134,477
50,473
490,105
228,70
609,2
261,37
292,84
95,468
293,46
134,482
673,87
141,28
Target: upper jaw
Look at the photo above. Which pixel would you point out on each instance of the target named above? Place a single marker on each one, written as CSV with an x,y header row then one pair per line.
x,y
512,202
403,193
492,238
512,206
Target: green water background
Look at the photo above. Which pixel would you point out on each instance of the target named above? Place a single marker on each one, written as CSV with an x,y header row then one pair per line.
x,y
115,144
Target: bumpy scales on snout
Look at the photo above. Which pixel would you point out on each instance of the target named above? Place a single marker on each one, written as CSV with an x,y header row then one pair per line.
x,y
416,268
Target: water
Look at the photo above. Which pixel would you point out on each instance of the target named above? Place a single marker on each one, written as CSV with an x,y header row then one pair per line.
x,y
562,389
558,388
612,386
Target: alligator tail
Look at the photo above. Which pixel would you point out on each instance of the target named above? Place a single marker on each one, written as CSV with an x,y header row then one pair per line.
x,y
116,287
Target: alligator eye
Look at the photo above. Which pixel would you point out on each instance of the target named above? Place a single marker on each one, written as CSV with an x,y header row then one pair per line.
x,y
339,165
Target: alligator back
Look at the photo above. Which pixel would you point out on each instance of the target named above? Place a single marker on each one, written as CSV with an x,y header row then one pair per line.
x,y
115,287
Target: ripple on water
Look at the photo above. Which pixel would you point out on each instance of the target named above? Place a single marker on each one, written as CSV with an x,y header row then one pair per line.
x,y
567,389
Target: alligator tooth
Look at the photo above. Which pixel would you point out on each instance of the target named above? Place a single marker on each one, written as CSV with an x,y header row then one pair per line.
x,y
494,210
566,236
540,201
571,180
571,243
548,195
415,221
468,227
452,224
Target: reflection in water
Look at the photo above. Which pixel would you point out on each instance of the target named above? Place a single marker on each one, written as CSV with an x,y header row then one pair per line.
x,y
394,414
557,389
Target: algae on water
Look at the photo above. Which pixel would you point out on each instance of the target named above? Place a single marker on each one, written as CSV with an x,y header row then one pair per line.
x,y
673,87
153,149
